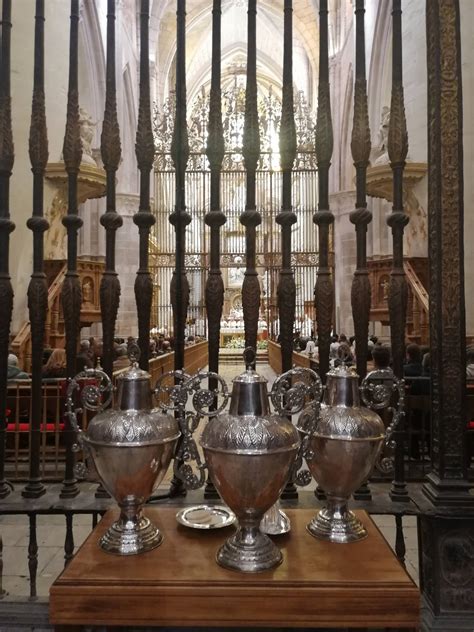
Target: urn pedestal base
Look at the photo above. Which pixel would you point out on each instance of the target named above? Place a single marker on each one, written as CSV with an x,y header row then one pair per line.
x,y
337,523
131,535
249,551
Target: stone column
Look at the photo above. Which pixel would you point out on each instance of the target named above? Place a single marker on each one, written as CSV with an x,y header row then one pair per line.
x,y
127,262
345,258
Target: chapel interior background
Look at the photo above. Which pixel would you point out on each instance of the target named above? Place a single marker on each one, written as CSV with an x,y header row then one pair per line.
x,y
162,65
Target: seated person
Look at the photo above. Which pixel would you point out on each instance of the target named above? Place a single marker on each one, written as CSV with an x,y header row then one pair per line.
x,y
84,357
413,366
121,358
470,363
310,347
14,371
55,367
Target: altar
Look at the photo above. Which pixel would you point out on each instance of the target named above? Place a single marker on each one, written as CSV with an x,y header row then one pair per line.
x,y
318,584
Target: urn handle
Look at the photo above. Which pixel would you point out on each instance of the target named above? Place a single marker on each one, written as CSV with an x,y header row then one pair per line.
x,y
297,389
169,390
206,402
292,390
378,390
95,393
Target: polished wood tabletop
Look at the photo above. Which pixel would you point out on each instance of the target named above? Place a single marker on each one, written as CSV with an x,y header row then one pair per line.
x,y
318,584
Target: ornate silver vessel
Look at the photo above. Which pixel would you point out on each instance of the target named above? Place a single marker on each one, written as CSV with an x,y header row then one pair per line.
x,y
344,441
130,447
250,453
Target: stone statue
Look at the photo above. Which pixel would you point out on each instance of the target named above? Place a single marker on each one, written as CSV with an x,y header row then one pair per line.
x,y
380,151
87,135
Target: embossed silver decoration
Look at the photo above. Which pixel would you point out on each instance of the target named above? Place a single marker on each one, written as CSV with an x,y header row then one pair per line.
x,y
343,443
250,453
129,446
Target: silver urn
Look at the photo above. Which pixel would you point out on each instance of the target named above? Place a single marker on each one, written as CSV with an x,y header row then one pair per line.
x,y
130,446
344,442
249,453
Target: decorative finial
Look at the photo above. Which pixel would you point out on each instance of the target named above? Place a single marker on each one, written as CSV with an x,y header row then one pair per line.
x,y
249,358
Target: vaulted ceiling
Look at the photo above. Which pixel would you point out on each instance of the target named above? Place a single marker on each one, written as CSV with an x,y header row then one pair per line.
x,y
234,42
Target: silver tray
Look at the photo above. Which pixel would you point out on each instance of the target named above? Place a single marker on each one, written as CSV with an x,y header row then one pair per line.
x,y
206,517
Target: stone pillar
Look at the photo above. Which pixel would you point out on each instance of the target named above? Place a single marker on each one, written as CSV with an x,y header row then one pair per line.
x,y
127,264
345,258
56,77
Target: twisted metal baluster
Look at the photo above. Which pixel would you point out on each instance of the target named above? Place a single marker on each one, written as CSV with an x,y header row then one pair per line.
x,y
180,218
179,289
144,219
6,227
110,220
323,218
71,295
286,218
361,216
397,220
251,218
215,218
38,287
33,549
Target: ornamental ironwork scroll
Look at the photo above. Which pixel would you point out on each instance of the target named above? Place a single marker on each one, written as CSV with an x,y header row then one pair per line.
x,y
38,287
6,227
144,218
71,295
110,220
323,218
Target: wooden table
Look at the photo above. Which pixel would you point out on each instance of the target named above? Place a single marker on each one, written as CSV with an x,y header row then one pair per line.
x,y
318,584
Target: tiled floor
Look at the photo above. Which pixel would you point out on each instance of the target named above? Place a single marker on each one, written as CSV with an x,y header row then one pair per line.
x,y
51,530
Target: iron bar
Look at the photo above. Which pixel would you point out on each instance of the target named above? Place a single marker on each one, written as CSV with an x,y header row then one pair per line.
x,y
397,220
179,218
361,216
144,218
215,218
69,539
251,218
32,553
110,220
71,295
179,289
323,218
286,291
38,287
6,227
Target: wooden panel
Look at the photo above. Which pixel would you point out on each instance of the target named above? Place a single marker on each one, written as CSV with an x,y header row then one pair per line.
x,y
274,357
195,357
318,583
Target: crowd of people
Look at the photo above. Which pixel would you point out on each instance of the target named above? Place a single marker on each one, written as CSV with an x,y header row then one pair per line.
x,y
417,357
89,354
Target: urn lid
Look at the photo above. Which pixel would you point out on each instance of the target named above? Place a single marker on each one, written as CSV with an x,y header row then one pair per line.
x,y
249,376
250,434
134,373
116,427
